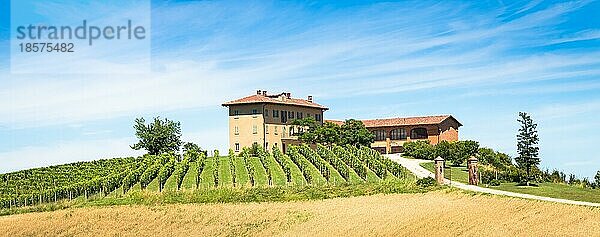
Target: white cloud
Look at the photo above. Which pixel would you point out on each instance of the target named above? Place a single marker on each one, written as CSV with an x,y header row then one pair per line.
x,y
66,152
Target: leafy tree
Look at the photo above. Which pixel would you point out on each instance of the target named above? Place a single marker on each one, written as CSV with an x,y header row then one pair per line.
x,y
527,145
307,124
419,150
193,151
352,132
190,146
443,149
310,131
356,134
498,160
462,150
597,179
328,134
158,137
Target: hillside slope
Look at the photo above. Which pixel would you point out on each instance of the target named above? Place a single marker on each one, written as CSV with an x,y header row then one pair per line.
x,y
433,213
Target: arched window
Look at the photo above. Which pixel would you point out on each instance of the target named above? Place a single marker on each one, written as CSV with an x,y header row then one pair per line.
x,y
418,133
398,134
379,135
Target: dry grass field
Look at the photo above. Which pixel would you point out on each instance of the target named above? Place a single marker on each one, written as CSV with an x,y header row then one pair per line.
x,y
439,213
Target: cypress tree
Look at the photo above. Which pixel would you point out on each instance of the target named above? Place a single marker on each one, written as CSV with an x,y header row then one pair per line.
x,y
527,145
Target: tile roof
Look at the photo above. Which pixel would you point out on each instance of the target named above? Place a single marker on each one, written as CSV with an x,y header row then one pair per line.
x,y
275,99
388,122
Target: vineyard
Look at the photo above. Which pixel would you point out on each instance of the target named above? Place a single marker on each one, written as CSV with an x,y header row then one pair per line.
x,y
300,165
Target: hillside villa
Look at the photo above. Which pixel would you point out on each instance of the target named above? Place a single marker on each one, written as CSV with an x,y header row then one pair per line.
x,y
265,120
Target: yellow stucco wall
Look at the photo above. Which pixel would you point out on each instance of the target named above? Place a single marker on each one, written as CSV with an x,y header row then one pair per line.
x,y
269,130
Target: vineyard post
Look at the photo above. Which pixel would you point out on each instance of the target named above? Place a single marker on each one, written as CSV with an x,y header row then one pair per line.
x,y
54,190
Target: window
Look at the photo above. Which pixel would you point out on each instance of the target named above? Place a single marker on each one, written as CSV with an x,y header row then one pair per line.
x,y
275,113
418,133
237,147
236,112
283,117
236,130
291,114
267,129
266,113
275,130
318,117
379,135
283,132
254,129
254,111
298,115
398,134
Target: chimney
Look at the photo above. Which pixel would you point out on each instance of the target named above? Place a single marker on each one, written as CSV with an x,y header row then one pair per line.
x,y
310,98
265,93
258,92
288,95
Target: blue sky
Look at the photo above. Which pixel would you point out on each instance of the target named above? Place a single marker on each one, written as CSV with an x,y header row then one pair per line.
x,y
482,62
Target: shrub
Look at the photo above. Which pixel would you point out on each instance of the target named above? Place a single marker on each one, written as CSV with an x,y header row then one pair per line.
x,y
419,150
494,182
462,150
426,182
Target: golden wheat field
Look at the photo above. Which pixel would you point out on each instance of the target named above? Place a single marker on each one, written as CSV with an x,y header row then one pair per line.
x,y
439,213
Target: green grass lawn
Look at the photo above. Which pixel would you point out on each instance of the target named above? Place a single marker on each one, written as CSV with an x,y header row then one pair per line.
x,y
225,179
207,179
241,174
189,181
554,190
335,176
260,177
279,178
153,186
318,179
371,176
297,176
353,177
454,173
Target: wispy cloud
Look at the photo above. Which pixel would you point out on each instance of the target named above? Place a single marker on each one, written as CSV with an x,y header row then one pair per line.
x,y
413,54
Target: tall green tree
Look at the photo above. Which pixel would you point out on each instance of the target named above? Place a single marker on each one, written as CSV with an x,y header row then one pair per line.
x,y
527,145
597,179
160,136
355,133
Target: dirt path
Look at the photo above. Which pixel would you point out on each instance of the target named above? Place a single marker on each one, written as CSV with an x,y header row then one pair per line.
x,y
414,166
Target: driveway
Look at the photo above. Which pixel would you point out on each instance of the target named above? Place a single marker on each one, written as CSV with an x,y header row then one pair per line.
x,y
413,165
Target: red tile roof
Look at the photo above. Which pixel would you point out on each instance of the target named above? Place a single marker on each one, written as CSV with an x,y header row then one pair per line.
x,y
275,99
389,122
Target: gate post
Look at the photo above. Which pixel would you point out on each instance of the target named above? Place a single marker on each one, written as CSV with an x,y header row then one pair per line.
x,y
472,167
439,169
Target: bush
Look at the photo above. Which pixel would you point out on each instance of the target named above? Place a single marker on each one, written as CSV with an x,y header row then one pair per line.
x,y
494,182
419,150
462,150
426,182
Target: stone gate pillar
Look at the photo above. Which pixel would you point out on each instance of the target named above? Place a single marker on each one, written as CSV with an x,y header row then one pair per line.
x,y
439,169
472,167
